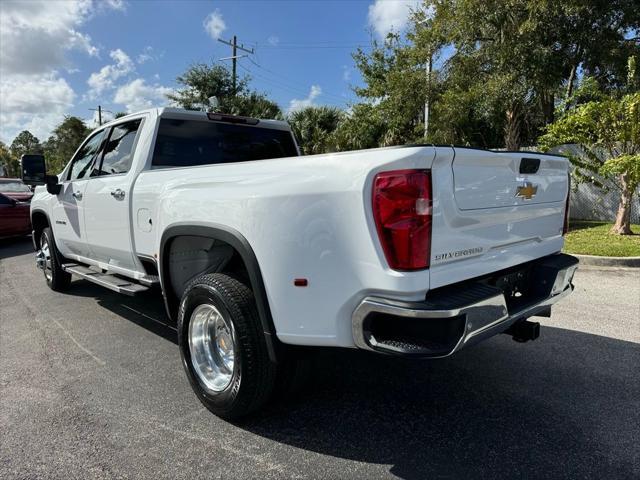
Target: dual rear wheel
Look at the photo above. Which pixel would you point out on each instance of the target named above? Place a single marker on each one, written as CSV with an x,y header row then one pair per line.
x,y
223,348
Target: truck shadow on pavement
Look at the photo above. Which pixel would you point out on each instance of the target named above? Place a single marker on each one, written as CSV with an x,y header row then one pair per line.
x,y
565,406
145,310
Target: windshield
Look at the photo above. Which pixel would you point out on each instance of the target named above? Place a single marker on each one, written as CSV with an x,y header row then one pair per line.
x,y
14,187
183,143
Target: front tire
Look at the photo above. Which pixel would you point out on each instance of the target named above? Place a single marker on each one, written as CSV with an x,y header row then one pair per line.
x,y
49,261
222,346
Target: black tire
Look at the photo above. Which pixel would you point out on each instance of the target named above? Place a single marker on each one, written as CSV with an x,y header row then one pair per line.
x,y
56,278
254,374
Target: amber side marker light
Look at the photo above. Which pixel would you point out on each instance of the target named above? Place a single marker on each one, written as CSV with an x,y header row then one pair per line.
x,y
300,282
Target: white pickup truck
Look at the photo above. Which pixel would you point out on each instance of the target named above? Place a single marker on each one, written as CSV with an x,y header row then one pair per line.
x,y
415,250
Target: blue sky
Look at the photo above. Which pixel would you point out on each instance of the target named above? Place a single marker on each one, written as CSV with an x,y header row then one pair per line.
x,y
66,57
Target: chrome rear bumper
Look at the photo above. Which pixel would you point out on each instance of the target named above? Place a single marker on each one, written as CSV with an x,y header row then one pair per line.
x,y
458,316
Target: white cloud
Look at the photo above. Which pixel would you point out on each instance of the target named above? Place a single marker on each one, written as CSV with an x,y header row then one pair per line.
x,y
115,4
346,73
298,104
214,24
138,95
35,40
105,78
147,55
37,35
273,40
391,15
34,104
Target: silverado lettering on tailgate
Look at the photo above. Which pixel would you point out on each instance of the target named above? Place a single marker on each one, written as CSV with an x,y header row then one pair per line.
x,y
458,254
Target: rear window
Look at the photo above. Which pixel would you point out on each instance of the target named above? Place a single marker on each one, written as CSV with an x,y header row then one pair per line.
x,y
185,143
14,187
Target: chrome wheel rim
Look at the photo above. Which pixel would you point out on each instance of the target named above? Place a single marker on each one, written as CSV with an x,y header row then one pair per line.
x,y
44,258
212,347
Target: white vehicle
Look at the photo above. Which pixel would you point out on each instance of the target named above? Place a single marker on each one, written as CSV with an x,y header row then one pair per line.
x,y
416,250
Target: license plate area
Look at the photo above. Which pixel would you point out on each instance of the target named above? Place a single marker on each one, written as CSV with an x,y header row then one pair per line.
x,y
517,287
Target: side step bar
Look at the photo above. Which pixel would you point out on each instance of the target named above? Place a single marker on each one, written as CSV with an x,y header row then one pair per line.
x,y
112,282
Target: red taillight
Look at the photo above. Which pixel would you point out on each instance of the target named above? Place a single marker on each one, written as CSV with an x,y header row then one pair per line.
x,y
565,226
402,212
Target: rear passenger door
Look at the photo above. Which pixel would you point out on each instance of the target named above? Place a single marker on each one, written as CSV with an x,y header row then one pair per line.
x,y
108,198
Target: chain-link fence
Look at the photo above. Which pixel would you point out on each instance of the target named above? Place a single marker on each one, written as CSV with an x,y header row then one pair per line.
x,y
589,202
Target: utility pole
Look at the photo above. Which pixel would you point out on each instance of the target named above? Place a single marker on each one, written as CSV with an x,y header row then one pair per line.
x,y
99,110
234,56
427,106
428,97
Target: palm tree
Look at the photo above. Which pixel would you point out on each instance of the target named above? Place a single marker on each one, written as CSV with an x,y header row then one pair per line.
x,y
313,127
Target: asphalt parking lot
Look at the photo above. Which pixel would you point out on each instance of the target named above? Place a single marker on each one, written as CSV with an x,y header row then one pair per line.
x,y
91,387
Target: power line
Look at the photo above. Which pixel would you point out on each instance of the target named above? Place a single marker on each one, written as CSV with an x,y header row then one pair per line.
x,y
330,94
298,89
314,47
256,43
289,88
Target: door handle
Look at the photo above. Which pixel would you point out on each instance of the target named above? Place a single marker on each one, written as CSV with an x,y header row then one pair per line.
x,y
77,195
118,194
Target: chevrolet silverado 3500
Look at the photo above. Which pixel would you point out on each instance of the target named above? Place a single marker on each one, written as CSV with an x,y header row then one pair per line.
x,y
415,250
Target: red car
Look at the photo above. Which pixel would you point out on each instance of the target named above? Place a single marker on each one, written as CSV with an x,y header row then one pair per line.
x,y
16,189
14,217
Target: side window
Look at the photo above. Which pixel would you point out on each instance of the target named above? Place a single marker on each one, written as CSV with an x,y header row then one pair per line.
x,y
83,161
118,150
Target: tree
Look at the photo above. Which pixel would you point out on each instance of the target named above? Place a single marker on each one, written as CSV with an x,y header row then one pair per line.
x,y
313,127
64,141
7,161
253,104
523,51
25,143
394,90
608,133
360,128
499,66
201,82
120,115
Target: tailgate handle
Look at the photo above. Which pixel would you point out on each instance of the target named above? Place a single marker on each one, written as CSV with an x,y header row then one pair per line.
x,y
529,165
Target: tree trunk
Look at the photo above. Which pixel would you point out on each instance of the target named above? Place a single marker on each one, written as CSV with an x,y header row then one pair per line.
x,y
546,101
572,77
512,128
623,217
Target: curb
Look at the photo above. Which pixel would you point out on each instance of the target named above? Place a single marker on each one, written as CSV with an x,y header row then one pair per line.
x,y
599,261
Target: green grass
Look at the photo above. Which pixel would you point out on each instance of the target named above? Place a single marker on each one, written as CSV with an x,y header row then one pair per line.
x,y
593,238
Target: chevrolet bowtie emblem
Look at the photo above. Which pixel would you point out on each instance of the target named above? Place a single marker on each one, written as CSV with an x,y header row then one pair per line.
x,y
527,191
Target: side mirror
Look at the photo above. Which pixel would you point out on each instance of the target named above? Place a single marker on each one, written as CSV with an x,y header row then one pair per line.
x,y
53,187
33,169
34,172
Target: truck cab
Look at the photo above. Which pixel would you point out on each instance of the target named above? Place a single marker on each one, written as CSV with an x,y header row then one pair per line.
x,y
93,219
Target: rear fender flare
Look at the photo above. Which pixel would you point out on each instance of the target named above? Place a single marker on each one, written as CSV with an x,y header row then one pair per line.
x,y
242,246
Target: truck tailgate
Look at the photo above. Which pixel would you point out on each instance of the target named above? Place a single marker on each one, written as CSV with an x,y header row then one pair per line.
x,y
494,210
486,179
